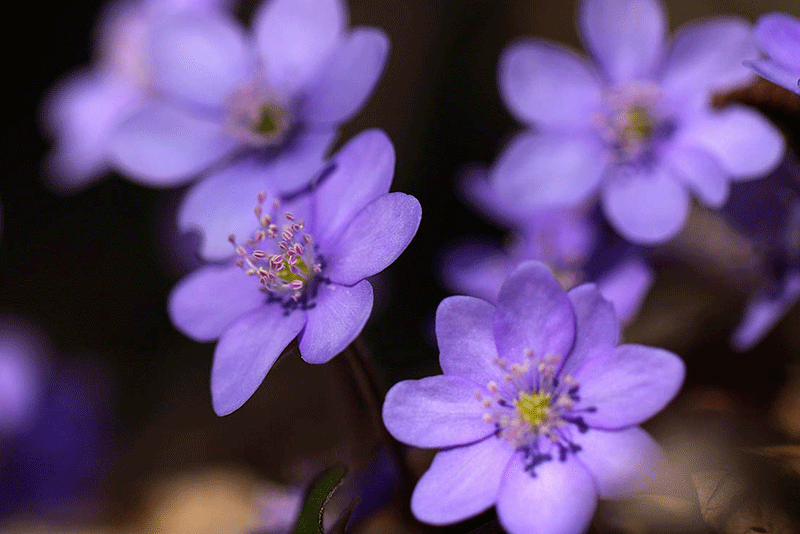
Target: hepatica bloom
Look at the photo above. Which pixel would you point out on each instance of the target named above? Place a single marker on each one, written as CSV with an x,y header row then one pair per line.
x,y
22,374
536,411
54,430
568,240
778,37
278,96
299,272
767,214
635,125
83,110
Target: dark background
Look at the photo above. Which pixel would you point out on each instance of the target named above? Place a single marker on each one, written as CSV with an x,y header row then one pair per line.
x,y
94,268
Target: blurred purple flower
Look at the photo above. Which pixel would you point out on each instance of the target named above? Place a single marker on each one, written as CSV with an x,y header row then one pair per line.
x,y
307,268
778,36
279,509
767,214
637,126
84,108
54,430
23,373
278,97
536,411
566,239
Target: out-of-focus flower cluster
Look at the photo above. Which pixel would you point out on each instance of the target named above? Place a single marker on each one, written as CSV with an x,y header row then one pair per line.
x,y
538,409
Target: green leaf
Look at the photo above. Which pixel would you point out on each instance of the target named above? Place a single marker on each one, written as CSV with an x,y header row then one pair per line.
x,y
317,497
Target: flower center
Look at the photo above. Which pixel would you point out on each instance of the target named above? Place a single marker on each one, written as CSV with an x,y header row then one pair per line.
x,y
282,258
632,121
257,118
636,123
535,410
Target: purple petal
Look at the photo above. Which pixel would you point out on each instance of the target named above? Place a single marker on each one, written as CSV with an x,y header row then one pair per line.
x,y
437,411
19,390
80,114
375,237
478,191
476,268
222,203
461,482
547,169
706,56
533,313
300,159
466,339
246,351
626,36
628,385
547,84
776,73
560,499
625,286
701,172
744,143
346,79
364,168
778,35
621,461
596,326
764,311
563,237
645,205
161,146
23,374
295,37
202,59
204,303
337,317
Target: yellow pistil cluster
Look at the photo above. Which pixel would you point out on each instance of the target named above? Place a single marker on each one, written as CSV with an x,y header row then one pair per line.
x,y
287,274
256,117
533,408
273,120
638,123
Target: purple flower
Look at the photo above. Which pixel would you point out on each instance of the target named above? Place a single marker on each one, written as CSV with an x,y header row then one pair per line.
x,y
566,239
23,372
636,126
82,111
767,214
536,411
278,97
54,430
300,273
778,36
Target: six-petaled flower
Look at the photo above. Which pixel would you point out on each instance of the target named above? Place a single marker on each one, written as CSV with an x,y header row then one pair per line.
x,y
299,271
636,125
536,411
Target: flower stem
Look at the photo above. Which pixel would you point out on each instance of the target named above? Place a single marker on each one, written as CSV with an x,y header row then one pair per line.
x,y
373,392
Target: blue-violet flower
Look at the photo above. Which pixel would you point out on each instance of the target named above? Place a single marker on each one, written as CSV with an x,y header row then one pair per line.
x,y
300,272
568,240
778,36
636,126
83,110
767,214
278,97
536,411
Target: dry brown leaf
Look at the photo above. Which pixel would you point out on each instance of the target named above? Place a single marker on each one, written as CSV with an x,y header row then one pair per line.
x,y
719,493
729,506
786,410
788,455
